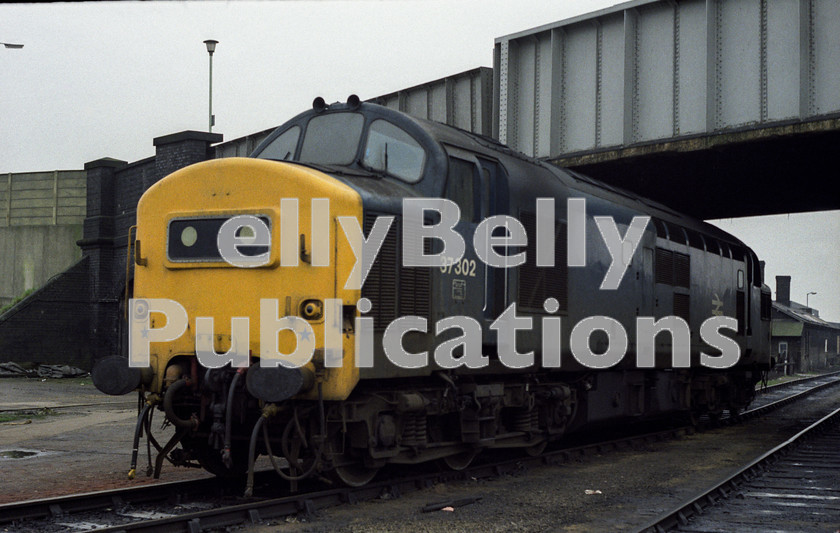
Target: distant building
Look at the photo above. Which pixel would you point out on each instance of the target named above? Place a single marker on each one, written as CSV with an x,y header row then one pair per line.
x,y
801,340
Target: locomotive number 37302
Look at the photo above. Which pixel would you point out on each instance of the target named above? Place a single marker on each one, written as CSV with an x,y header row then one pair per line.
x,y
463,267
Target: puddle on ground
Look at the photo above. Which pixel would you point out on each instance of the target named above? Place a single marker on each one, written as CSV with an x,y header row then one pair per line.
x,y
17,454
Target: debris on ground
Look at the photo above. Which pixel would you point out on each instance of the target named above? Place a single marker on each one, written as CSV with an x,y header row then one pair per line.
x,y
12,369
450,505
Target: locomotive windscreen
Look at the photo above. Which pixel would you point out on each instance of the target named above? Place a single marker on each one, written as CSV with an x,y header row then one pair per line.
x,y
332,139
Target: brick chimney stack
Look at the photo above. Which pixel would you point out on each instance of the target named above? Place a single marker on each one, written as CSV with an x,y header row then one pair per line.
x,y
783,290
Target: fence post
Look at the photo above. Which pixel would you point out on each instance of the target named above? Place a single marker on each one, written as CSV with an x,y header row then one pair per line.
x,y
9,201
55,198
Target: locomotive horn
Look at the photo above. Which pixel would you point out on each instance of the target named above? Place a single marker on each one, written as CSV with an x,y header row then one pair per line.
x,y
319,104
353,101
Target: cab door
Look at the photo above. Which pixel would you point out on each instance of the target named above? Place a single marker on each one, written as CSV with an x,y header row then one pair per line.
x,y
493,185
462,286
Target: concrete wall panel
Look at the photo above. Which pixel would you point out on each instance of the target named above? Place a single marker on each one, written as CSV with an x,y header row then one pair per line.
x,y
31,255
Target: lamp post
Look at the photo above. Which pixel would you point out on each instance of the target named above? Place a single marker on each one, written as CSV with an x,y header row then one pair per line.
x,y
12,45
806,299
211,47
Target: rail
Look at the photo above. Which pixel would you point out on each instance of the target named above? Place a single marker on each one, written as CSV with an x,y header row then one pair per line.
x,y
696,505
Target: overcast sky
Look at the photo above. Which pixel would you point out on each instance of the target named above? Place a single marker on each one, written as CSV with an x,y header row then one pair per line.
x,y
103,79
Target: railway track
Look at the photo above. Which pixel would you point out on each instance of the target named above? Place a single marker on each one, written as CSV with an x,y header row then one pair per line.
x,y
166,506
792,487
775,396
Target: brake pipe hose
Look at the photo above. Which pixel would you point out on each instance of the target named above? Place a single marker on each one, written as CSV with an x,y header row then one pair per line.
x,y
226,457
138,429
168,398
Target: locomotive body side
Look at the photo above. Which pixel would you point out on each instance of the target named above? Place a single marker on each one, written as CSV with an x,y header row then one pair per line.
x,y
349,419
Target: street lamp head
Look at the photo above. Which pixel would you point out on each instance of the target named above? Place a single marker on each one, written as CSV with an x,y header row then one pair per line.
x,y
211,45
12,45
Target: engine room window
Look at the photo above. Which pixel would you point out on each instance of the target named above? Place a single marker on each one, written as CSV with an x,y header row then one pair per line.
x,y
283,147
393,151
332,139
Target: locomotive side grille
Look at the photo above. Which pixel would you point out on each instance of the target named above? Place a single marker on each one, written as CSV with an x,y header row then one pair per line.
x,y
673,268
393,289
380,287
415,286
536,284
682,305
682,272
664,266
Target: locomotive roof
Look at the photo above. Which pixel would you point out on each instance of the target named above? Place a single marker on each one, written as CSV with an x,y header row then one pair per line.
x,y
493,148
517,164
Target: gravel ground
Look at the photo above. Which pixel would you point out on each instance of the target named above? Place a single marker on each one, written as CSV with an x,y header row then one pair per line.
x,y
89,448
618,491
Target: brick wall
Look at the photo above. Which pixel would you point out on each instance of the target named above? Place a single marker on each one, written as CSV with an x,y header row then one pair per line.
x,y
50,326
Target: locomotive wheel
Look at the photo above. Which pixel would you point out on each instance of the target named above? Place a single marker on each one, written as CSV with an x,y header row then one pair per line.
x,y
211,460
689,417
536,449
715,417
355,475
460,461
350,469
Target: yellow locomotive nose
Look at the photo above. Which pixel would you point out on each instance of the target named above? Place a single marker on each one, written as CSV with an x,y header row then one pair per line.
x,y
288,255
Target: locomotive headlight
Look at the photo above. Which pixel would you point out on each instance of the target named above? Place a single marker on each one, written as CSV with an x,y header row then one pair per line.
x,y
188,236
246,232
312,309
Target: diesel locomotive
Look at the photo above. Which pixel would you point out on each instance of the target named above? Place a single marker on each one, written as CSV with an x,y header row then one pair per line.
x,y
337,178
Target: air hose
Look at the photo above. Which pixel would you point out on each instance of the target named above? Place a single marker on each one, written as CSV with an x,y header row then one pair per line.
x,y
226,457
168,398
138,429
249,487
